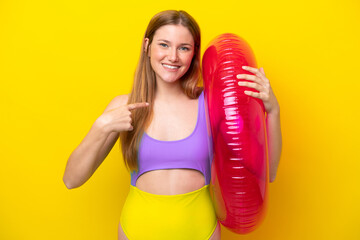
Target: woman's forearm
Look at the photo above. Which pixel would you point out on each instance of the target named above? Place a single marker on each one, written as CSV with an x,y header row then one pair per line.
x,y
82,161
274,141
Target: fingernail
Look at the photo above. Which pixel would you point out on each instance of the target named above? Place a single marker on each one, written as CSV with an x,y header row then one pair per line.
x,y
241,83
244,67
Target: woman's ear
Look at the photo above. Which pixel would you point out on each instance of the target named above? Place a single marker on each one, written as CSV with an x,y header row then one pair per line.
x,y
146,45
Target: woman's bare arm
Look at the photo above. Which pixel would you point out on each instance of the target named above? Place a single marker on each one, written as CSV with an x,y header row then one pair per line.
x,y
93,149
274,142
271,105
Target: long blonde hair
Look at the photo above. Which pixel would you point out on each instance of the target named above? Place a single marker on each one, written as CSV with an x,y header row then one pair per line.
x,y
143,89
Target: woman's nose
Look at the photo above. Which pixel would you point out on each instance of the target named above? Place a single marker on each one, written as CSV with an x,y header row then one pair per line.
x,y
173,55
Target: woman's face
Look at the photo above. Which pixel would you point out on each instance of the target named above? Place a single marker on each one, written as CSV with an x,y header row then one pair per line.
x,y
171,52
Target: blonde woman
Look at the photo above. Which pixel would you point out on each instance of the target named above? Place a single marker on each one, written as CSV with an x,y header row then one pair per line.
x,y
162,130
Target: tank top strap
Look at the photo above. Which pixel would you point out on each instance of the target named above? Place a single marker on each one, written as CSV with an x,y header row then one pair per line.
x,y
201,106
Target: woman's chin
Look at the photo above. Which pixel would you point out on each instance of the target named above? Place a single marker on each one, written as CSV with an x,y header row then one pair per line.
x,y
170,79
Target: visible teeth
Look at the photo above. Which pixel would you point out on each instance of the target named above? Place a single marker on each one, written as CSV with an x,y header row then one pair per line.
x,y
172,67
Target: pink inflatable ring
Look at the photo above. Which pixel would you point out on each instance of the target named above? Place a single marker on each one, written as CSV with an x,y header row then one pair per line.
x,y
236,124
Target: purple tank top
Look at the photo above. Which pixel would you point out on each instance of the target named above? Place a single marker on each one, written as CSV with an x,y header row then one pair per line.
x,y
191,152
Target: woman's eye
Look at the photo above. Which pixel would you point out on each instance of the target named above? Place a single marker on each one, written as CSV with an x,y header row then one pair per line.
x,y
184,48
163,44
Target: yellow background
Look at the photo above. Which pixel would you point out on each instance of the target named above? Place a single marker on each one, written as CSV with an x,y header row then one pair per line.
x,y
61,62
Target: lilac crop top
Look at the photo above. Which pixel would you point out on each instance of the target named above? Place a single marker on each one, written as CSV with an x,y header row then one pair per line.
x,y
191,152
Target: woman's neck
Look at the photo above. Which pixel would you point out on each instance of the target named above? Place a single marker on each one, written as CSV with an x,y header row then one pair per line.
x,y
169,91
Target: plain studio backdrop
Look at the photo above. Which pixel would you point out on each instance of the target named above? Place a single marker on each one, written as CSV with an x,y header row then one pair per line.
x,y
61,62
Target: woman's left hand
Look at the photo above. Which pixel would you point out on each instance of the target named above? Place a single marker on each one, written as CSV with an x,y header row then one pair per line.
x,y
261,84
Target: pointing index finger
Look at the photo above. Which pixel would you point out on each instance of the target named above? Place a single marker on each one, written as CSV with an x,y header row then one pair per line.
x,y
137,105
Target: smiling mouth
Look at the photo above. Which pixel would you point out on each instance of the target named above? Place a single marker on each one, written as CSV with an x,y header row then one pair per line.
x,y
170,67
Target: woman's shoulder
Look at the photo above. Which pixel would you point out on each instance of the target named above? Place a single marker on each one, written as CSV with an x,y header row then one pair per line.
x,y
122,98
117,101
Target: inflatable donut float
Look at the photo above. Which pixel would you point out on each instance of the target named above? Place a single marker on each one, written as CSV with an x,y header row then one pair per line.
x,y
236,126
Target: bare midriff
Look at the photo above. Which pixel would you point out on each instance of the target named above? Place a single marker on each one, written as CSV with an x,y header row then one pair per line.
x,y
170,181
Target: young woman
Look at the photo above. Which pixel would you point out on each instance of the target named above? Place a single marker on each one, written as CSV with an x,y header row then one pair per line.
x,y
162,129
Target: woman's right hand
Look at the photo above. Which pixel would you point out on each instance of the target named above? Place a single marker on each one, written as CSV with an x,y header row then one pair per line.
x,y
119,119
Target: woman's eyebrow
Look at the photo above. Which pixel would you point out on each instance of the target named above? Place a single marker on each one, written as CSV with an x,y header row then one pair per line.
x,y
170,42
